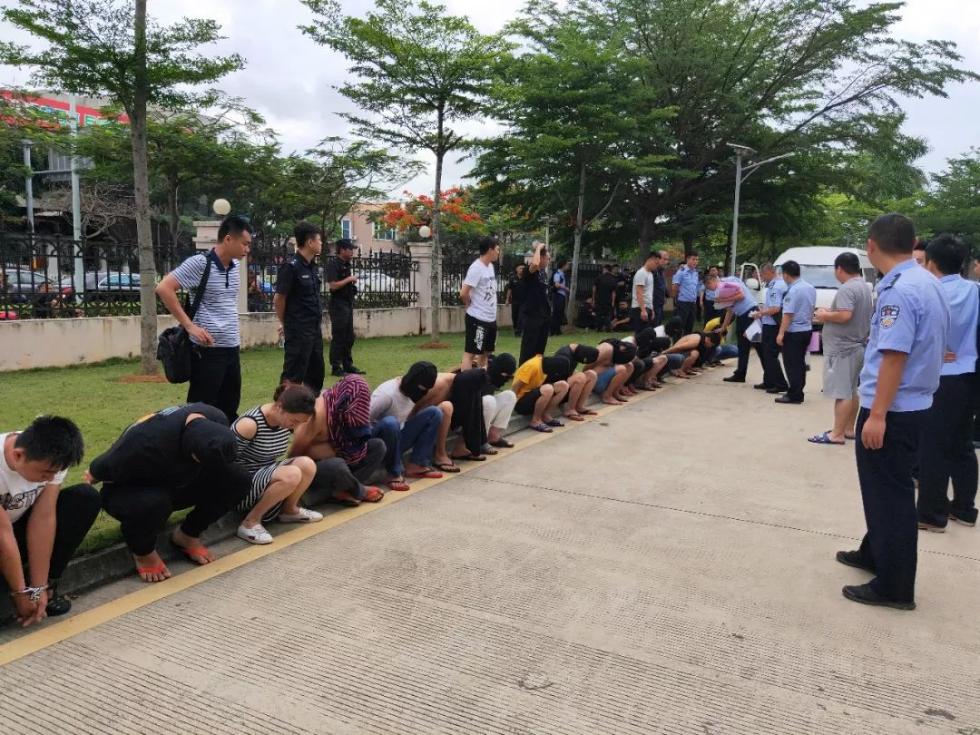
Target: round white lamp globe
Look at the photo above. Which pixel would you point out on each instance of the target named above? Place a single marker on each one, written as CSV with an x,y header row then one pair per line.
x,y
424,232
221,207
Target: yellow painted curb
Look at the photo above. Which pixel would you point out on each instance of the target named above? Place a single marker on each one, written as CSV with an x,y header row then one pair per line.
x,y
48,635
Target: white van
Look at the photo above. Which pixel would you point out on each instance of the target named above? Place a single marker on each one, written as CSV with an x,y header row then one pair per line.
x,y
816,268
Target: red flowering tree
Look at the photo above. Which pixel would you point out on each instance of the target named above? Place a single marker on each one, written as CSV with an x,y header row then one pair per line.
x,y
458,216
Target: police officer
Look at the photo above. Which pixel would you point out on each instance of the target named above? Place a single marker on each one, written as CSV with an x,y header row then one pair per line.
x,y
686,282
947,452
795,330
342,292
773,380
298,309
901,371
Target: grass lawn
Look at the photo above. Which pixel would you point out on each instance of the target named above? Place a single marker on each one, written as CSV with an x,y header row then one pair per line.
x,y
95,397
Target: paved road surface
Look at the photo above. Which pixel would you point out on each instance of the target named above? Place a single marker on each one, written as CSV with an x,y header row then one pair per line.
x,y
667,568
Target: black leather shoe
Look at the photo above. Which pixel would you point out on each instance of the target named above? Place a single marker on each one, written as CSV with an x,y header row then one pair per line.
x,y
734,379
853,559
57,604
776,391
864,594
352,370
787,399
338,372
761,386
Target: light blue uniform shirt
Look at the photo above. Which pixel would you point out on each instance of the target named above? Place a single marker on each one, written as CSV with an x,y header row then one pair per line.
x,y
747,303
775,292
910,316
688,280
961,297
799,301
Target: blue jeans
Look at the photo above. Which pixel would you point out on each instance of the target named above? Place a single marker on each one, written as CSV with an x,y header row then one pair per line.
x,y
418,434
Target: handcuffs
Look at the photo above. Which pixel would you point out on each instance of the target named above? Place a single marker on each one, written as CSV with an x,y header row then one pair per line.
x,y
33,593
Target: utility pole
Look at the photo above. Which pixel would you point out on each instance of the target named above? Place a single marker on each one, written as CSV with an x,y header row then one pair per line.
x,y
29,185
742,152
76,204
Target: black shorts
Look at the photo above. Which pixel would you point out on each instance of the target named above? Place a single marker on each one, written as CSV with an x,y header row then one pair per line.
x,y
525,404
481,337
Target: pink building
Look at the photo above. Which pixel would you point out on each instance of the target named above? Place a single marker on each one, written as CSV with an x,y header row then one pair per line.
x,y
367,235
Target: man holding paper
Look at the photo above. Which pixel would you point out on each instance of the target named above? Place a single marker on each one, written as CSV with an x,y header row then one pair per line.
x,y
795,330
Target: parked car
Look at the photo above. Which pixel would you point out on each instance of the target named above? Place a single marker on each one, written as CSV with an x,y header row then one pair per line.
x,y
117,287
816,268
19,283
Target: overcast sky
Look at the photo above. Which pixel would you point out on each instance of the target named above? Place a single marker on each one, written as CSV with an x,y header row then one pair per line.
x,y
289,79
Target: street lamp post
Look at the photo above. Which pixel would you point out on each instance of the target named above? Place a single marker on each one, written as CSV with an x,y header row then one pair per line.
x,y
742,152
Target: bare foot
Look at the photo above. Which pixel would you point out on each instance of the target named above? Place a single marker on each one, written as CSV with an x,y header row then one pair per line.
x,y
610,401
191,547
151,567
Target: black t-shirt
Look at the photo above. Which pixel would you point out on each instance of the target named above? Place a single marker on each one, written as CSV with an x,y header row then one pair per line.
x,y
299,281
516,286
149,451
659,288
605,285
337,270
537,303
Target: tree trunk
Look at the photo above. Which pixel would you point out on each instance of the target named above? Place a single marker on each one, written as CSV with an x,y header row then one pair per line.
x,y
174,212
577,246
436,278
141,186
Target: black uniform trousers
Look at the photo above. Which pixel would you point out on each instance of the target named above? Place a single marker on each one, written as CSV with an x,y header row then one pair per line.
x,y
558,317
795,345
515,318
890,546
142,510
303,358
745,347
534,340
658,314
341,333
216,379
78,507
772,369
685,311
947,453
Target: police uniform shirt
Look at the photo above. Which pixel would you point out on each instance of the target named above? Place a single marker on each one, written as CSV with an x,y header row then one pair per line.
x,y
961,297
910,316
299,281
337,270
688,281
799,301
775,292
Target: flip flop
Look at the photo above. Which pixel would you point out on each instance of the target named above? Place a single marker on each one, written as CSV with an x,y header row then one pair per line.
x,y
427,474
543,428
588,412
160,568
447,467
554,422
398,486
489,450
372,494
823,439
470,458
197,554
502,444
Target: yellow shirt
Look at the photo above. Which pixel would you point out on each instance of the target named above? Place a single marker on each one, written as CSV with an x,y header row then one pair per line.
x,y
713,324
531,375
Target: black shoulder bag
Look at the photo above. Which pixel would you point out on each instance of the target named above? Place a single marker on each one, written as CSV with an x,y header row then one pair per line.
x,y
174,348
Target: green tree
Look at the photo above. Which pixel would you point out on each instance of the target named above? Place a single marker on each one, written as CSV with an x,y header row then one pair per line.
x,y
953,202
110,48
416,73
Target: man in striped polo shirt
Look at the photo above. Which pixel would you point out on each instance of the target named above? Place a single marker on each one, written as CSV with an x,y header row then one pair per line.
x,y
216,376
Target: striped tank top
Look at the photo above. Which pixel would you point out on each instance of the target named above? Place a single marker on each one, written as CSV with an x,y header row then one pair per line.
x,y
268,446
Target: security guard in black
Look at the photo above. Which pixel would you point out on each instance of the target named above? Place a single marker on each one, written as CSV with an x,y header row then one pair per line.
x,y
298,306
342,292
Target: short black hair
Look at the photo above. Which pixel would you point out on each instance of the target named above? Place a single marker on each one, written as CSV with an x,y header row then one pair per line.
x,y
948,253
921,245
52,439
233,224
295,398
849,263
304,232
791,268
893,233
653,254
345,243
692,254
487,243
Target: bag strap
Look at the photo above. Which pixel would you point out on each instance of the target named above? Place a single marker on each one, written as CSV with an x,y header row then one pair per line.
x,y
199,294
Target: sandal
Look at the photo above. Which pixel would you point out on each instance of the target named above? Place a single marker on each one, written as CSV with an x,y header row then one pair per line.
x,y
197,554
160,568
488,450
502,444
543,428
824,439
588,412
372,494
399,486
447,467
554,422
426,474
470,458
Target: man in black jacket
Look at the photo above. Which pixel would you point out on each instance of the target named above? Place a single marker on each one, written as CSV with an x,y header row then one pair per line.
x,y
180,457
297,305
342,292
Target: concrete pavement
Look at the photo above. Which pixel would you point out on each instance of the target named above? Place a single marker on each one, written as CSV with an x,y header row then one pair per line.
x,y
665,568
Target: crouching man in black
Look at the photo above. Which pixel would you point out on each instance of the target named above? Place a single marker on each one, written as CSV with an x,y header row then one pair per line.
x,y
181,457
41,524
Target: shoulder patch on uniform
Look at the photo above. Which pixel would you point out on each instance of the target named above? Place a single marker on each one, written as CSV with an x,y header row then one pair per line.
x,y
889,315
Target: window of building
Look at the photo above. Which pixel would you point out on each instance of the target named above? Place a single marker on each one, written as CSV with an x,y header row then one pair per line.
x,y
383,233
345,229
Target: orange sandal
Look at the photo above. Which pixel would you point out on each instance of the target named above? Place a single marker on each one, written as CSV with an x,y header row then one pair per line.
x,y
197,554
160,568
372,495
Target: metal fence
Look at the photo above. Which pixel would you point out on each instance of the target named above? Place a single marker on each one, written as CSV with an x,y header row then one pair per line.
x,y
45,277
385,280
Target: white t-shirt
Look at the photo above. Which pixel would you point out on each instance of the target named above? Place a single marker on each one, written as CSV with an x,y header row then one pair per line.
x,y
483,297
643,278
388,400
16,493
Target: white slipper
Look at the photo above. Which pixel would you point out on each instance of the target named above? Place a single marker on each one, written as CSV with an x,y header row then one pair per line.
x,y
255,535
305,515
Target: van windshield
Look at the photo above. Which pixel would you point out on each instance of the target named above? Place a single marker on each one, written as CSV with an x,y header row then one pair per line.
x,y
819,276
